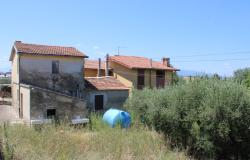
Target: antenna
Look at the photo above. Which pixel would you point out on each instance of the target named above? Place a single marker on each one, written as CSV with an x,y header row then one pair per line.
x,y
118,49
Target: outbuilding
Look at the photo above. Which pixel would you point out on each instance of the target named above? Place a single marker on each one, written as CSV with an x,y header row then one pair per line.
x,y
105,92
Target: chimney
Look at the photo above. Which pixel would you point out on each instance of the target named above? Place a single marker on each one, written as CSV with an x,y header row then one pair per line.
x,y
166,61
107,65
99,68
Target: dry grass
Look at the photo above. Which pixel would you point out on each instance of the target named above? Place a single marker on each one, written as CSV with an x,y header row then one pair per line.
x,y
101,142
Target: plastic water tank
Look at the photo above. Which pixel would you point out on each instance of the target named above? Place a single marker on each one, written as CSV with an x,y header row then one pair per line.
x,y
114,116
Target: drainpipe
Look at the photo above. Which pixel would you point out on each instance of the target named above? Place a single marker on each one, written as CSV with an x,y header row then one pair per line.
x,y
107,65
99,68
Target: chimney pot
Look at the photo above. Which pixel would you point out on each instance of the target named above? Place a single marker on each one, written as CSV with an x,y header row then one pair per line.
x,y
99,68
107,65
166,61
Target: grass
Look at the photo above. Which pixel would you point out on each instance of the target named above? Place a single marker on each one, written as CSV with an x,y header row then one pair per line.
x,y
100,142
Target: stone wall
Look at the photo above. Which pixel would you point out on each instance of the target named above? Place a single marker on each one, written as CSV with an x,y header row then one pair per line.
x,y
37,71
66,106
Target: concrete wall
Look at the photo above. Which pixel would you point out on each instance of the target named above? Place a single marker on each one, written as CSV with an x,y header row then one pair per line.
x,y
66,107
112,98
37,71
15,95
25,91
15,80
15,69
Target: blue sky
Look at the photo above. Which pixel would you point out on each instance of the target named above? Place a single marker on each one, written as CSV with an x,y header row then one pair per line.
x,y
192,33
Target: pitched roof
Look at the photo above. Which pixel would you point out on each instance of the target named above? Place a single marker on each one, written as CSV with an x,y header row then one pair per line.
x,y
134,62
93,64
36,49
104,83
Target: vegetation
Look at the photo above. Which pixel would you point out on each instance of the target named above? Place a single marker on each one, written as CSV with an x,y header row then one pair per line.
x,y
95,142
242,76
208,117
5,80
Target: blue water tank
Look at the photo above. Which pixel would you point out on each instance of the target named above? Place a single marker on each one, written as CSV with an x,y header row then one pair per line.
x,y
115,116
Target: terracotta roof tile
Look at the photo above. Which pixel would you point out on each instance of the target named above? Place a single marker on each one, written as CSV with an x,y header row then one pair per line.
x,y
104,83
93,64
47,50
134,62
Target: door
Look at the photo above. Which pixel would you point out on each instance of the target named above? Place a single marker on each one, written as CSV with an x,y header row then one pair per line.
x,y
98,102
51,113
21,106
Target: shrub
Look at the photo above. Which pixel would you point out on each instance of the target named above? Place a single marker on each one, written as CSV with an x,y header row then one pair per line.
x,y
209,118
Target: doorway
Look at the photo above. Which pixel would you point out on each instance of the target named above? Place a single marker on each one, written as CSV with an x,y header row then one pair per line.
x,y
51,113
99,102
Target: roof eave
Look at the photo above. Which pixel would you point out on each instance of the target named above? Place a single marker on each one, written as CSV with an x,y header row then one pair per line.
x,y
37,54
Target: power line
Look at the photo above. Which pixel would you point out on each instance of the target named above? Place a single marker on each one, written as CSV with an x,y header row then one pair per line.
x,y
212,60
209,54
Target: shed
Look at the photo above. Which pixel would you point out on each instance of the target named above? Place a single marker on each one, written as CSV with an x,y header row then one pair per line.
x,y
105,92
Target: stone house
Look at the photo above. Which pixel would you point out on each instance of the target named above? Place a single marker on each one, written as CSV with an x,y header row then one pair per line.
x,y
47,82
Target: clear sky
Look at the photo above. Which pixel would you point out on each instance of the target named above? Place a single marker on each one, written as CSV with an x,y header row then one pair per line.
x,y
202,35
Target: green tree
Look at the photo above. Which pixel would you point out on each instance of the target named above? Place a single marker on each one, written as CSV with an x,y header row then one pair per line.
x,y
242,76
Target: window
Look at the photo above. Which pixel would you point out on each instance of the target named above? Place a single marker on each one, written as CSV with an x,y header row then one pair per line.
x,y
160,78
111,73
140,79
51,113
55,67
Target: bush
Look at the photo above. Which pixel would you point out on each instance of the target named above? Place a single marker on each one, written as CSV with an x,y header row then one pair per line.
x,y
209,118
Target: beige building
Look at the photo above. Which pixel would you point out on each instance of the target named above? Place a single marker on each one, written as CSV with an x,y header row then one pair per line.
x,y
91,68
139,72
47,82
135,72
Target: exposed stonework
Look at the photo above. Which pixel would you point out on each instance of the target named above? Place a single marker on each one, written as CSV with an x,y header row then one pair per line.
x,y
70,84
66,107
